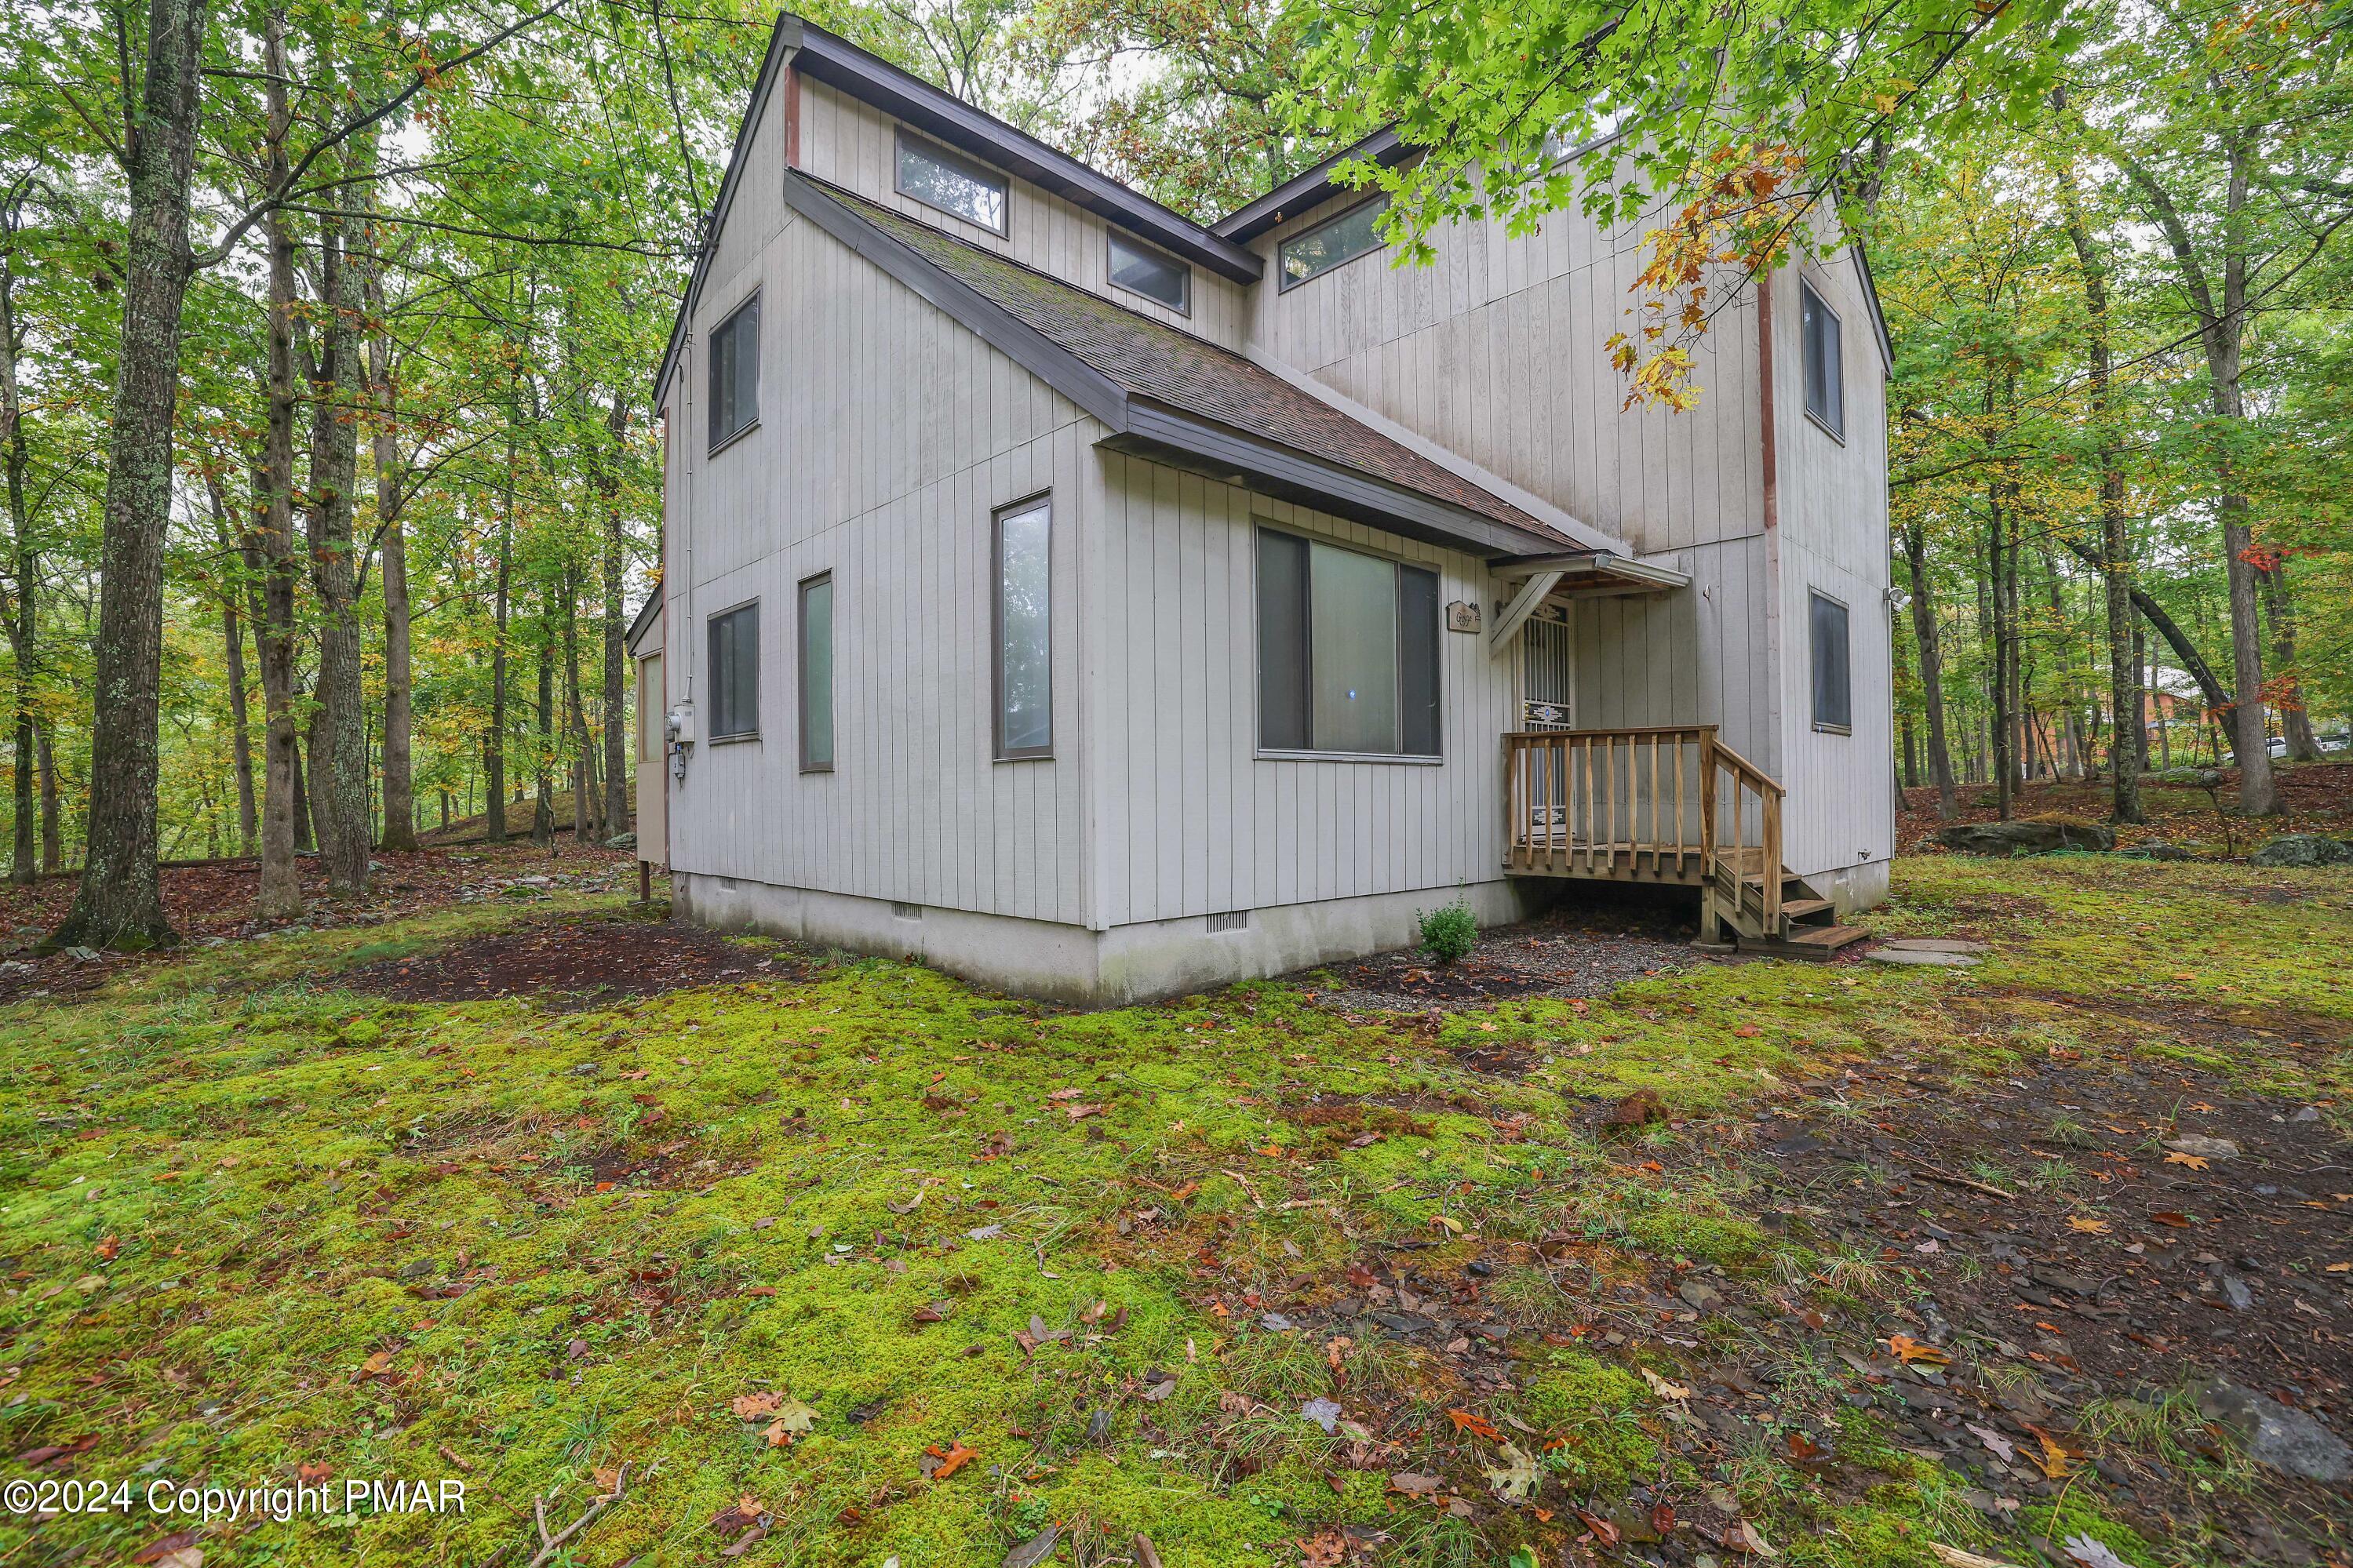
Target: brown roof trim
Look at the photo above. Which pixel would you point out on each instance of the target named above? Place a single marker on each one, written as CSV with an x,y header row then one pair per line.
x,y
1298,193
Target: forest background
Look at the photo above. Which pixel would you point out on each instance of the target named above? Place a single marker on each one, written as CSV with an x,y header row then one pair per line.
x,y
326,338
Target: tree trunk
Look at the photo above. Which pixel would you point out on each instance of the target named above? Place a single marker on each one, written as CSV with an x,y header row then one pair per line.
x,y
339,782
2002,731
1926,634
53,837
2295,724
543,809
616,626
240,733
119,902
399,772
494,750
15,458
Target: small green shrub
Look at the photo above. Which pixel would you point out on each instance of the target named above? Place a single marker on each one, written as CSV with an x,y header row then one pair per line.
x,y
1449,933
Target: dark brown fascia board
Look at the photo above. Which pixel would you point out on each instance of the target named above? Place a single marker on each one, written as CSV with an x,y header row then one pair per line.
x,y
1149,429
1871,298
871,79
1298,193
783,40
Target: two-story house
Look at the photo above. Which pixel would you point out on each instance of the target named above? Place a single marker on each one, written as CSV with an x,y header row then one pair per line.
x,y
1100,605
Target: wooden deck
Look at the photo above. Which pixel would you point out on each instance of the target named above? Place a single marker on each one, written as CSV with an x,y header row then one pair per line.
x,y
1669,804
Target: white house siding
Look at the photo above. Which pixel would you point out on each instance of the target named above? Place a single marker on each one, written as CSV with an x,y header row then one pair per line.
x,y
855,146
887,435
1193,822
1839,822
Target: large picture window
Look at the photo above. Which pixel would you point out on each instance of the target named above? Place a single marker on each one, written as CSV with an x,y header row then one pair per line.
x,y
1025,625
1347,650
1353,233
735,673
939,179
736,372
817,674
1825,366
1833,685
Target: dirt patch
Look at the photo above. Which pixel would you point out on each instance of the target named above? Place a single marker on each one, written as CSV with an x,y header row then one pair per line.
x,y
2086,1233
573,966
2317,798
1579,952
212,904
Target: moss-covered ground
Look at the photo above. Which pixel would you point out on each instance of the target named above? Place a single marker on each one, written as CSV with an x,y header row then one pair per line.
x,y
868,1265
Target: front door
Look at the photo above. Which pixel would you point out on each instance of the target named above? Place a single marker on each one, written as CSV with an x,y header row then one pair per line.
x,y
1546,702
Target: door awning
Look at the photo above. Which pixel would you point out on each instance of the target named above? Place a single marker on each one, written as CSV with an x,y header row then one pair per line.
x,y
1592,574
1577,574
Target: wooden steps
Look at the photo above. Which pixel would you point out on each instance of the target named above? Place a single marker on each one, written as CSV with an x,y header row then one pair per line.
x,y
1821,942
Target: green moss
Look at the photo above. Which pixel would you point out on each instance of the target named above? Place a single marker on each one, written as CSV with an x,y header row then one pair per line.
x,y
579,1235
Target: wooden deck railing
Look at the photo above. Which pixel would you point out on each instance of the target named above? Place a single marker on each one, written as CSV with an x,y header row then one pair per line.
x,y
1614,803
1670,803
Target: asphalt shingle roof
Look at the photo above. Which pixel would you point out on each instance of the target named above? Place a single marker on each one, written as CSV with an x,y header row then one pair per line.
x,y
1148,359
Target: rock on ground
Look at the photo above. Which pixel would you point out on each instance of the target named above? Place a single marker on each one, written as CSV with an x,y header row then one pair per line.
x,y
2305,849
2033,838
2287,1440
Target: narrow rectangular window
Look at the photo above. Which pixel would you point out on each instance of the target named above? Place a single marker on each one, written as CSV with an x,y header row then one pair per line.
x,y
735,372
1352,234
734,675
1025,640
1825,366
1349,650
817,674
1140,269
1282,641
1833,687
955,185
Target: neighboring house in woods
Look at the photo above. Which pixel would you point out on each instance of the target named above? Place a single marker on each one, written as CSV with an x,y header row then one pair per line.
x,y
1100,605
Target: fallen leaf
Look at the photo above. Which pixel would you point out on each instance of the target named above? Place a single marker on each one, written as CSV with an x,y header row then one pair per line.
x,y
1477,1424
1325,1412
1998,1446
2169,1217
1603,1530
941,1463
1743,1537
751,1406
377,1364
1035,1550
2196,1163
1080,1112
1415,1484
794,1417
1664,1389
2087,1225
2092,1552
2053,1459
778,1435
1912,1351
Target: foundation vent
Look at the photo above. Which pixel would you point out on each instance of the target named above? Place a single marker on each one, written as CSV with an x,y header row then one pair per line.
x,y
1233,920
906,911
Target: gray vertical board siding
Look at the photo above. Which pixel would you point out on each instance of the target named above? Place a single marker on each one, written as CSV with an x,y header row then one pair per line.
x,y
1834,538
855,146
918,431
1201,824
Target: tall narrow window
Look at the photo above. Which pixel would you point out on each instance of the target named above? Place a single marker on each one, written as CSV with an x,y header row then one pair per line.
x,y
1353,233
735,372
817,674
1833,687
956,186
1825,367
1347,649
1025,652
1140,269
734,676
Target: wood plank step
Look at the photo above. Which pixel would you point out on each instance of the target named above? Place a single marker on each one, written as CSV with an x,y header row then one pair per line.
x,y
1805,908
1807,941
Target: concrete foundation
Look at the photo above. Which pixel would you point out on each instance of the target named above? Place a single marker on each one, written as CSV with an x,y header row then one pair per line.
x,y
1090,968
